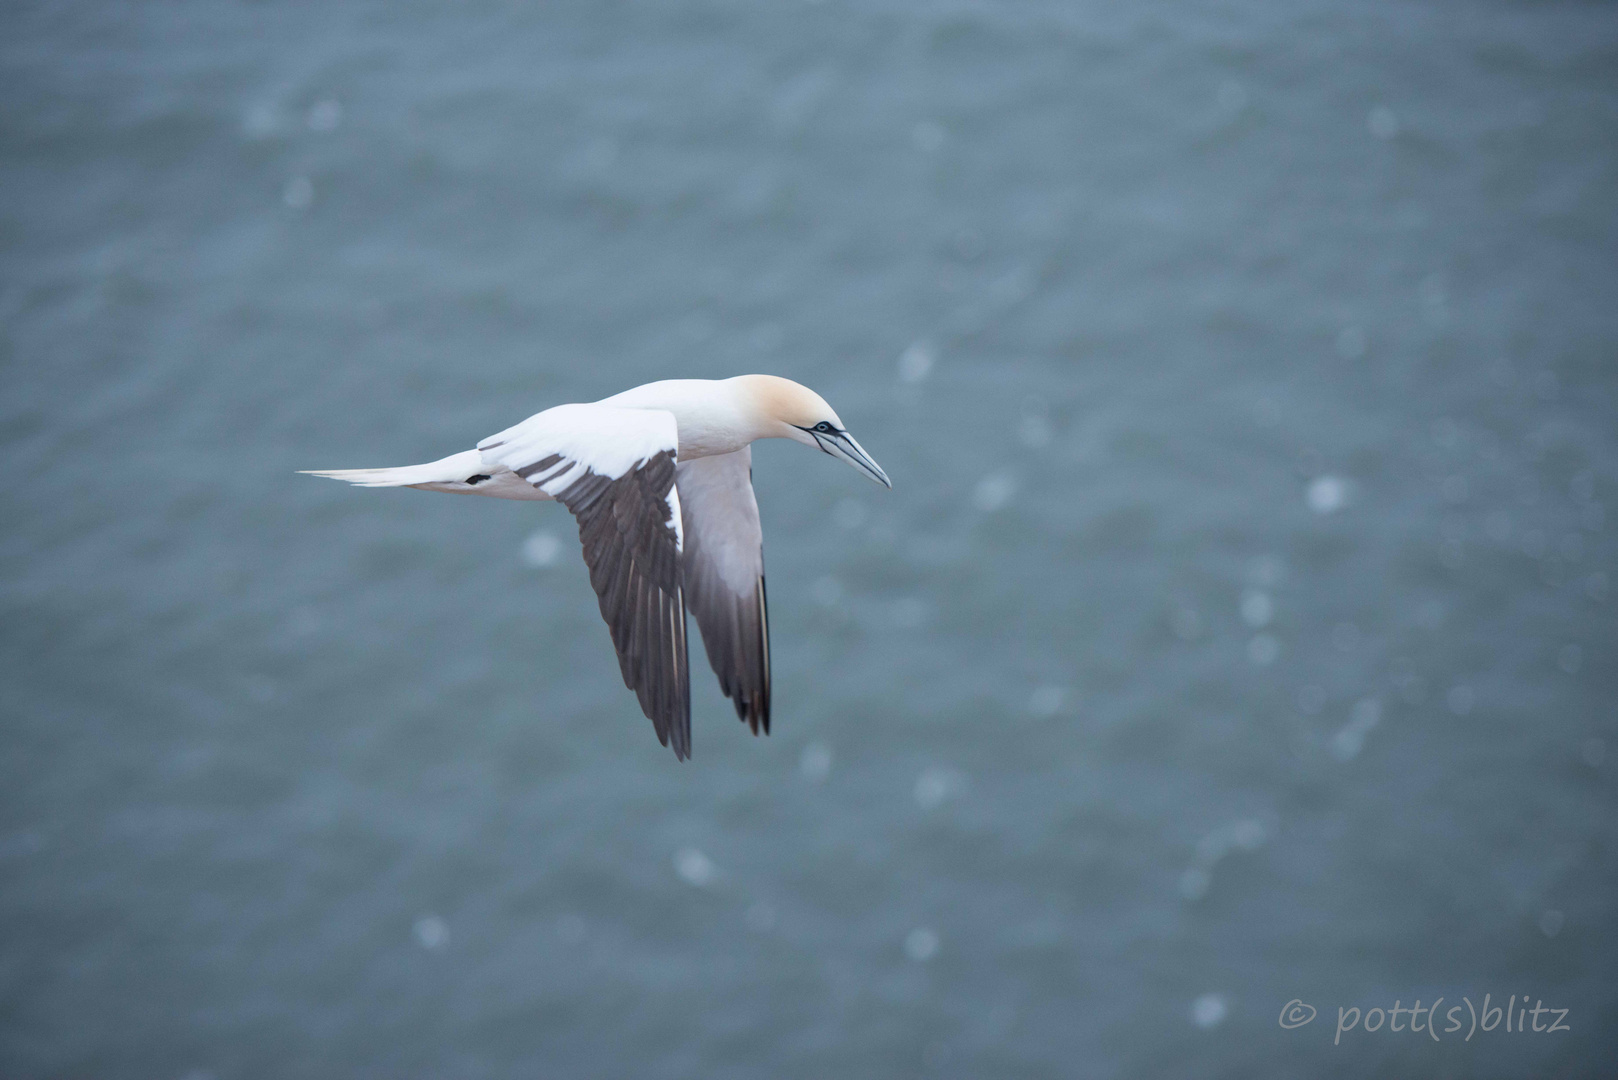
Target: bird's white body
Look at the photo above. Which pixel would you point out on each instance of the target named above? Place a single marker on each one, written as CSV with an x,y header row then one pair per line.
x,y
644,471
713,417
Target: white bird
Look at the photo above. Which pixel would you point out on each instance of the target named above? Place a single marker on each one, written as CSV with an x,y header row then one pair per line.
x,y
660,480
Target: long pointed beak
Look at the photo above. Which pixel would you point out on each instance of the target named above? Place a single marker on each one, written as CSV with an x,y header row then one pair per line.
x,y
845,446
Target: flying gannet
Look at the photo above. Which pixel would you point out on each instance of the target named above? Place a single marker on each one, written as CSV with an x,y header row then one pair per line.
x,y
660,480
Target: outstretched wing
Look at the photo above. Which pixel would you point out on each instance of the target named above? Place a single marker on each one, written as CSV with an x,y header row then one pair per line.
x,y
724,577
614,469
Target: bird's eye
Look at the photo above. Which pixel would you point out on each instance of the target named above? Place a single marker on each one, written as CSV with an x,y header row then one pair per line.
x,y
825,426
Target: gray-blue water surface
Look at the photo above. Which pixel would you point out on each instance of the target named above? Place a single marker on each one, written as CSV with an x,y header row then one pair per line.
x,y
1239,630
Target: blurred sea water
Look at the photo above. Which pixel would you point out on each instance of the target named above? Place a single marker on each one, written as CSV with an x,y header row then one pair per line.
x,y
1240,628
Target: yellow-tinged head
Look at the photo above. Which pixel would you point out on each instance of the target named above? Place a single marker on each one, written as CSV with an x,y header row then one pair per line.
x,y
789,410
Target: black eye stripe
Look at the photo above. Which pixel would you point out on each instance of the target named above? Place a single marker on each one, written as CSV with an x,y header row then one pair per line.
x,y
825,427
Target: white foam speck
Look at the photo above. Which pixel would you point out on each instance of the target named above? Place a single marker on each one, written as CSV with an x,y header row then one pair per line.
x,y
994,491
935,785
815,762
261,122
324,116
1327,494
298,193
1248,834
916,362
542,549
1350,739
694,867
921,944
432,932
1209,1011
1034,429
1245,834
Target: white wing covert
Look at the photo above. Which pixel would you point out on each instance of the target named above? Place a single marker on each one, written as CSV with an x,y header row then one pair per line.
x,y
614,469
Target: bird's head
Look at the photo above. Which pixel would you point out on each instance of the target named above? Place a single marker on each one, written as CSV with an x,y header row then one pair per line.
x,y
788,410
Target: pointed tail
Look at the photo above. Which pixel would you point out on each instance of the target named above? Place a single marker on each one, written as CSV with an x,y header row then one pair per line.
x,y
453,469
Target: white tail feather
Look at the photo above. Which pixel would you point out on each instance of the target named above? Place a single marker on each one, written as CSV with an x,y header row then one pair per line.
x,y
453,469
